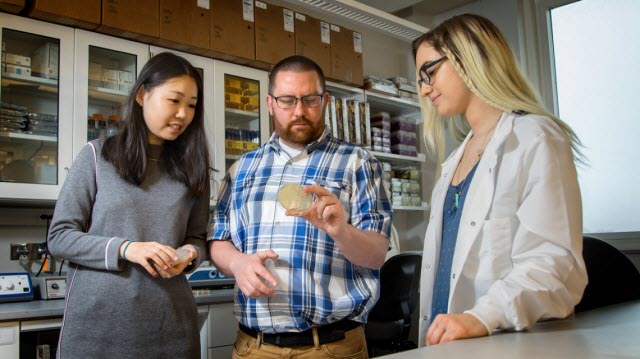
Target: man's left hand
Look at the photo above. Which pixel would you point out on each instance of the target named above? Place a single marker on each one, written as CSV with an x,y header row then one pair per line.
x,y
327,212
449,327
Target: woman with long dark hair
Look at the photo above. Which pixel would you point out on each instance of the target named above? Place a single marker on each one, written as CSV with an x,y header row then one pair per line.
x,y
131,218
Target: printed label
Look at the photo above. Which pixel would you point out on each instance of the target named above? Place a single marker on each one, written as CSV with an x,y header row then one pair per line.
x,y
288,20
204,4
357,42
247,10
325,32
301,17
335,28
261,5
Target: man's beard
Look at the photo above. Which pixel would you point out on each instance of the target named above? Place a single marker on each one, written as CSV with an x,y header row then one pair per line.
x,y
303,136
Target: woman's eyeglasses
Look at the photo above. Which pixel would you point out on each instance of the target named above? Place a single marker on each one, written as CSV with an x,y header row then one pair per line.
x,y
425,76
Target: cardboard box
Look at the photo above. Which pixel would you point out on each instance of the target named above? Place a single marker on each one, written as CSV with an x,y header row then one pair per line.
x,y
16,59
125,81
136,20
44,61
95,74
346,56
313,40
11,6
16,70
275,37
232,31
110,79
184,25
84,14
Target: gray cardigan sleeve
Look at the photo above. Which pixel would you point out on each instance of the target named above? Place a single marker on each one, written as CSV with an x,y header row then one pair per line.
x,y
68,237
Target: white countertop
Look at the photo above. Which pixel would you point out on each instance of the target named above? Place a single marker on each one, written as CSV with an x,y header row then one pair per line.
x,y
37,309
606,332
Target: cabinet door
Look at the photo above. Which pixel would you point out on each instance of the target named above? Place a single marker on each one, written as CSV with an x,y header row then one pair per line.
x,y
241,116
36,108
105,70
205,66
223,326
10,340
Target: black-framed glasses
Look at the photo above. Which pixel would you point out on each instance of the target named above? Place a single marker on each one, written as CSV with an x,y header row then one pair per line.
x,y
289,102
425,76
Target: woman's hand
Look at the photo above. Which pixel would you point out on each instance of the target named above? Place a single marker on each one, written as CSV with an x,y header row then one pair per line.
x,y
153,256
448,327
178,268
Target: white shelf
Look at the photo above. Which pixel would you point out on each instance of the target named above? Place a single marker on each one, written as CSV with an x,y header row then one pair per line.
x,y
390,156
109,95
25,136
32,82
233,115
340,90
396,106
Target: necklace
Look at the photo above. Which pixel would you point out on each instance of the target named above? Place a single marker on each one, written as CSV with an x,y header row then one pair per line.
x,y
476,159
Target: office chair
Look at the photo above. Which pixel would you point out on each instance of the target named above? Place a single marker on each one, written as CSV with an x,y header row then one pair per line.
x,y
612,276
389,322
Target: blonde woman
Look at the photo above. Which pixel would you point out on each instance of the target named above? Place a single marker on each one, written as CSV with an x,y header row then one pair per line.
x,y
503,248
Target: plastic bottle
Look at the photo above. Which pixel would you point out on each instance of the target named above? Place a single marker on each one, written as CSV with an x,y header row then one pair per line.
x,y
112,128
101,126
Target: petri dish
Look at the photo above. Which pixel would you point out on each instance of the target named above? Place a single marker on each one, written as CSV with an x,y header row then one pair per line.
x,y
183,256
294,199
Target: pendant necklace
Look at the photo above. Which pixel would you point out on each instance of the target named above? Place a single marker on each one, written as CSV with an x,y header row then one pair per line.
x,y
479,153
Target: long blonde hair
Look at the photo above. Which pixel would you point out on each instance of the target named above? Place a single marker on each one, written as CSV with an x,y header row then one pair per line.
x,y
483,59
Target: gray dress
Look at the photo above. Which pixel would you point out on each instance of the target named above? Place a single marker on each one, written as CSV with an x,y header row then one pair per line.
x,y
116,309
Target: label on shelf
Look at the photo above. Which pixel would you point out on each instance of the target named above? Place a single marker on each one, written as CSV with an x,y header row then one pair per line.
x,y
204,4
335,28
325,32
301,17
357,42
288,20
247,10
261,5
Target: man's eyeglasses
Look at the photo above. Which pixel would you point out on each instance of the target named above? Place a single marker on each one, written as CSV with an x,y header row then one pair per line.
x,y
289,102
425,76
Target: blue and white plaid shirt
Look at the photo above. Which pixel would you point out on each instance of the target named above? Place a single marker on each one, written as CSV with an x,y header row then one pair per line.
x,y
317,285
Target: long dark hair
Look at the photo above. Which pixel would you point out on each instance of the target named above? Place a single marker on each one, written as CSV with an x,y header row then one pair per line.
x,y
186,158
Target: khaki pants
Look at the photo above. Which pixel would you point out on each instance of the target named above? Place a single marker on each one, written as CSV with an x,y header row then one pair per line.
x,y
353,346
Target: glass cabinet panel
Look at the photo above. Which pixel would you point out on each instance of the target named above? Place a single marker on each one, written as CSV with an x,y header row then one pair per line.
x,y
36,106
29,108
106,69
111,78
242,116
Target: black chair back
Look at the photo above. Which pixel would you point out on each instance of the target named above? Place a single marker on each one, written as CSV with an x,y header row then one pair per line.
x,y
389,322
612,276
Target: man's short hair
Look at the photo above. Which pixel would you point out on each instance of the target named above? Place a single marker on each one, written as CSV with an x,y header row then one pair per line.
x,y
296,63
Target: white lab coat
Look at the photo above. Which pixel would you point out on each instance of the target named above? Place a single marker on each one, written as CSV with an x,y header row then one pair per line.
x,y
518,254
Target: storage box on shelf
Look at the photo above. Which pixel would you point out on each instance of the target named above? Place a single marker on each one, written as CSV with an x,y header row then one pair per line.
x,y
136,20
313,40
275,38
84,14
346,55
174,14
232,31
